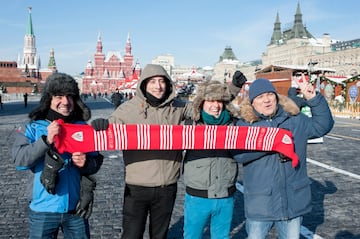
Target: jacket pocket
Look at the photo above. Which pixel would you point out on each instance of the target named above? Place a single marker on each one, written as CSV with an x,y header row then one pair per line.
x,y
300,196
258,202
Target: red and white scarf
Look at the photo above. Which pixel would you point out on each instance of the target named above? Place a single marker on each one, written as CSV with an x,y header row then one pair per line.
x,y
83,138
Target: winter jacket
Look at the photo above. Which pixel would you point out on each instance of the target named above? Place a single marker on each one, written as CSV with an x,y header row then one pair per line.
x,y
274,190
28,154
210,173
151,168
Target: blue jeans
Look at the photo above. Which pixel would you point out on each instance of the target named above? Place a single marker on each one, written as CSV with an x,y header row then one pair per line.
x,y
198,211
289,229
45,225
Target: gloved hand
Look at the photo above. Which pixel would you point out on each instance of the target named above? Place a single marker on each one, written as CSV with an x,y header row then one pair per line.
x,y
49,176
100,124
238,79
86,200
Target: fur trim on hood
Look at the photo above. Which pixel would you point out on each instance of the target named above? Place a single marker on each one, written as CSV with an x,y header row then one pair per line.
x,y
209,90
246,111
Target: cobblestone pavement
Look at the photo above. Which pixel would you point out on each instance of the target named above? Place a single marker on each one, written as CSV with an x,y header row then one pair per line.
x,y
336,193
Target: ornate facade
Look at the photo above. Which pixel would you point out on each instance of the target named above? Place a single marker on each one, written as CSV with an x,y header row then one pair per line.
x,y
297,46
109,72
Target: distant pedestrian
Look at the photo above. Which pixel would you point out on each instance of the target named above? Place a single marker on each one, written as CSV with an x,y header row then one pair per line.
x,y
25,99
117,98
1,103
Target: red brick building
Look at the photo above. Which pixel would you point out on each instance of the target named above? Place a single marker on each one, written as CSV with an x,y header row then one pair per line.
x,y
109,72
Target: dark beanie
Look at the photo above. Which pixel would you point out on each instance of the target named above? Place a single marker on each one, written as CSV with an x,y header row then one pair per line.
x,y
259,87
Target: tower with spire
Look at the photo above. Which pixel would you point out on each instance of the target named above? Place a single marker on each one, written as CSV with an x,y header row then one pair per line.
x,y
110,71
276,37
29,62
52,63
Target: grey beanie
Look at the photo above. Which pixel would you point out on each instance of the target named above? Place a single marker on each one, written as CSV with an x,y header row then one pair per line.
x,y
259,87
209,90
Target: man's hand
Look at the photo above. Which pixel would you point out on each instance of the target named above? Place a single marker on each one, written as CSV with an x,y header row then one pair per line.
x,y
307,90
78,159
53,129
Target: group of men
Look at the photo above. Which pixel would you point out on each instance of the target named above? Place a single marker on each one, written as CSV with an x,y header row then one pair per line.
x,y
275,192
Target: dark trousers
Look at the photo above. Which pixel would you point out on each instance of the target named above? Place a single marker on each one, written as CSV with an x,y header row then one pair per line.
x,y
139,202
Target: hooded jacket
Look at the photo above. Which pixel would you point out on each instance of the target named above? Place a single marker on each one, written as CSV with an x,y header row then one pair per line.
x,y
151,168
274,190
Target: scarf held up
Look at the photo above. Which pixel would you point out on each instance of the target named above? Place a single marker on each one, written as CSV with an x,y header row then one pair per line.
x,y
83,138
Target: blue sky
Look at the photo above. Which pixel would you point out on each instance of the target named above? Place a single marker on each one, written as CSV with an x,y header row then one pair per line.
x,y
195,32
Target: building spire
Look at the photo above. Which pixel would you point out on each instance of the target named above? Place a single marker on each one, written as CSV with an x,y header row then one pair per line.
x,y
128,45
99,46
29,29
298,30
52,62
276,36
29,60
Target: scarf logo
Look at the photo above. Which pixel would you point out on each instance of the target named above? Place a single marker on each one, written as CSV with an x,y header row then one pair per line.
x,y
78,136
286,139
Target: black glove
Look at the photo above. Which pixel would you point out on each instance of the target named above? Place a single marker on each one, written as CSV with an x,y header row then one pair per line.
x,y
238,79
100,124
86,200
49,176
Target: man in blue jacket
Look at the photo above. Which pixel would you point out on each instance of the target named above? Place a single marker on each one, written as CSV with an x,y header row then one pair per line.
x,y
275,193
62,185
